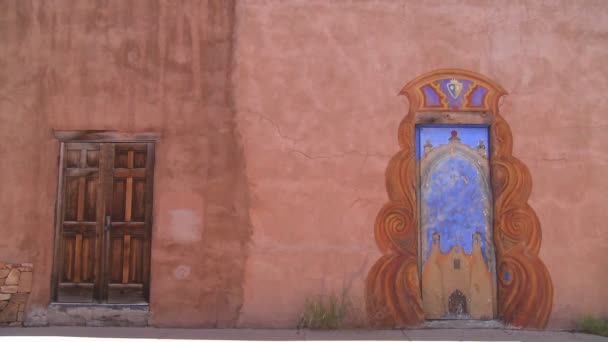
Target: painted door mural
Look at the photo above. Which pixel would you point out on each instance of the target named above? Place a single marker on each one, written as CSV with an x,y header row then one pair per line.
x,y
457,259
523,294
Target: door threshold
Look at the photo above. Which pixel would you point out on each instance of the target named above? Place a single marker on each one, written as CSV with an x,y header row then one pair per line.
x,y
98,314
134,306
462,324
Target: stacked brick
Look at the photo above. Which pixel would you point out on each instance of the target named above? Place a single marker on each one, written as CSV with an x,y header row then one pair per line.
x,y
15,288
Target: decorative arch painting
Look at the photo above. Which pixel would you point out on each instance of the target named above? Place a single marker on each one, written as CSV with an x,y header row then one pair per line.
x,y
457,235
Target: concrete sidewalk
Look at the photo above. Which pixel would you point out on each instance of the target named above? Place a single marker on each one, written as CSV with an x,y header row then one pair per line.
x,y
73,334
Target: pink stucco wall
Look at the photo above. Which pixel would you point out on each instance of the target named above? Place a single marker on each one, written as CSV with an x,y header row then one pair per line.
x,y
316,85
130,66
277,121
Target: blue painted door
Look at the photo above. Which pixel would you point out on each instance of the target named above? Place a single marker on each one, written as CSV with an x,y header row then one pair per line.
x,y
457,263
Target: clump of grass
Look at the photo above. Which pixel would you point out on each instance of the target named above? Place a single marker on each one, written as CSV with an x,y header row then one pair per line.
x,y
592,325
324,312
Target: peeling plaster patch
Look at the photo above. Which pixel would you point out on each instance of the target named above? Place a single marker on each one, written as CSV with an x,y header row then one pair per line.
x,y
185,225
182,272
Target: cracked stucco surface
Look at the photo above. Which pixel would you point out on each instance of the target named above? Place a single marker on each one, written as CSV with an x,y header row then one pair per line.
x,y
316,84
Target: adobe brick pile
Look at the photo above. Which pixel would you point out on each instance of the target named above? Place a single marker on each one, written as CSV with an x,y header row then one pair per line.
x,y
15,288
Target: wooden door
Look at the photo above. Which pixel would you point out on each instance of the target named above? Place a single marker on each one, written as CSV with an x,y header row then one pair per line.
x,y
104,221
77,258
128,212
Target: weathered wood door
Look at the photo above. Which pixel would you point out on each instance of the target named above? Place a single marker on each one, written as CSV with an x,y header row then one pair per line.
x,y
104,208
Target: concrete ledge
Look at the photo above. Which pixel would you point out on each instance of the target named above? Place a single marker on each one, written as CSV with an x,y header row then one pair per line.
x,y
463,324
71,334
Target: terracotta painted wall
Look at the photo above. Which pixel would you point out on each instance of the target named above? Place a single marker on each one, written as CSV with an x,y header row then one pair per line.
x,y
133,66
278,119
316,84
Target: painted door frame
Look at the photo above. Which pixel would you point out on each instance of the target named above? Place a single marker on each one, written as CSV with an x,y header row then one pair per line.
x,y
525,290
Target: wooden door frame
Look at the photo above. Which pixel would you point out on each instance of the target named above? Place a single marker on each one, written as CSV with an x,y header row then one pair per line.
x,y
57,224
100,136
525,290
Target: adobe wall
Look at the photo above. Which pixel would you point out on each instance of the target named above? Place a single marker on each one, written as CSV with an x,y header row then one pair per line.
x,y
131,66
304,94
316,84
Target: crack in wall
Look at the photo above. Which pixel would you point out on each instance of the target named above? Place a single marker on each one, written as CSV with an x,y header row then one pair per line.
x,y
295,141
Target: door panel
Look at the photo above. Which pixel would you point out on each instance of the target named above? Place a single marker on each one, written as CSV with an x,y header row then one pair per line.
x,y
129,230
119,186
80,226
138,206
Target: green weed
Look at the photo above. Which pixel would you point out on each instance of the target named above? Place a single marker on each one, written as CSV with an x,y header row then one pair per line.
x,y
324,312
592,325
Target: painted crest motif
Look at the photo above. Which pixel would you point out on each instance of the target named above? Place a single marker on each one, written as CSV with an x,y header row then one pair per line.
x,y
454,88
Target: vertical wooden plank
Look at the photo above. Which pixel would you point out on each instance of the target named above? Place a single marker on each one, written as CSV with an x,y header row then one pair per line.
x,y
119,186
85,275
83,158
108,183
90,198
77,258
130,159
149,198
134,260
69,198
138,209
80,217
58,243
115,262
126,255
82,182
68,259
103,161
129,190
129,199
